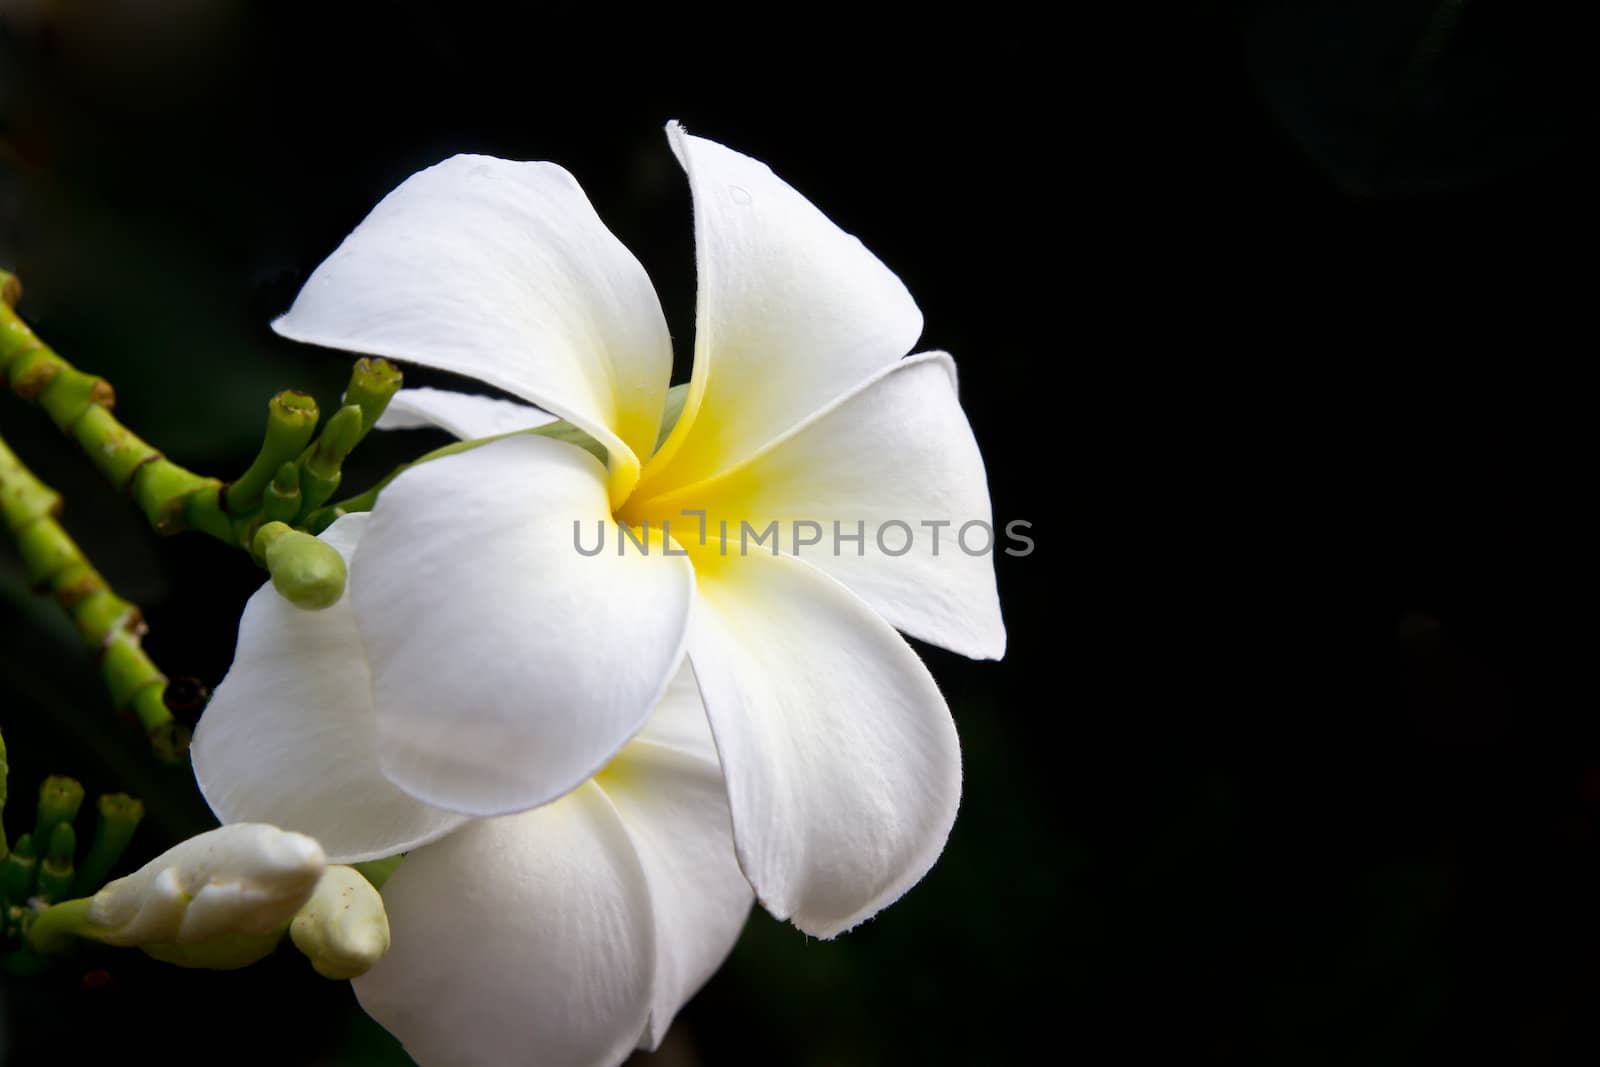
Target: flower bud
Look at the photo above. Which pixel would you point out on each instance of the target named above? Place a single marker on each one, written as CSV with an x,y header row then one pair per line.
x,y
319,468
291,420
247,878
343,928
309,573
373,383
59,800
281,502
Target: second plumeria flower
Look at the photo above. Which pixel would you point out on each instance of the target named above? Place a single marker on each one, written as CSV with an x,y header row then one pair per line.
x,y
509,665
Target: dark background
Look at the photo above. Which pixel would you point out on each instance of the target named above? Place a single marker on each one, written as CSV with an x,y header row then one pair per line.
x,y
1266,318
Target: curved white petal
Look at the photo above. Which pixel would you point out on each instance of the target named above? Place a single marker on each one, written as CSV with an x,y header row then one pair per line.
x,y
465,415
502,271
523,939
842,761
290,737
885,490
507,667
668,790
792,311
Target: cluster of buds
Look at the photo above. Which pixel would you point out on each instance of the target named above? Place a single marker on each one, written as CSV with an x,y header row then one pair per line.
x,y
286,490
44,866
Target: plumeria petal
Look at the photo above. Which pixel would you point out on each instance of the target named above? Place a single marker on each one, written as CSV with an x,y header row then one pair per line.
x,y
668,789
290,737
466,415
792,311
520,939
887,486
842,762
507,666
502,271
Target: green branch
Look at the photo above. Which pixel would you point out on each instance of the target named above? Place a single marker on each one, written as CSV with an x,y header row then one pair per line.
x,y
110,627
292,477
80,404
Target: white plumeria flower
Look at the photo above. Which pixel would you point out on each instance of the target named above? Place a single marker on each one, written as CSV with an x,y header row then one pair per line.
x,y
507,667
577,929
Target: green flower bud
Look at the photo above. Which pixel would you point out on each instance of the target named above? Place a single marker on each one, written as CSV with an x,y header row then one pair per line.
x,y
319,468
291,420
309,573
373,383
59,800
282,500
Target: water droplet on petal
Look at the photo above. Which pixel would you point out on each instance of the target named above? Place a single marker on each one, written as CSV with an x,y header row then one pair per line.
x,y
740,195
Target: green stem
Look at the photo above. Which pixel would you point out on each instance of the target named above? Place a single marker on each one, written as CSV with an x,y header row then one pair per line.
x,y
171,497
109,626
57,926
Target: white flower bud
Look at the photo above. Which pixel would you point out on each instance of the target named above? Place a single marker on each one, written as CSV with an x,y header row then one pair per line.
x,y
343,928
247,878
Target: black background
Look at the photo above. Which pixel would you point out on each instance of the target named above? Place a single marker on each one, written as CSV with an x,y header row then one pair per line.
x,y
1267,319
